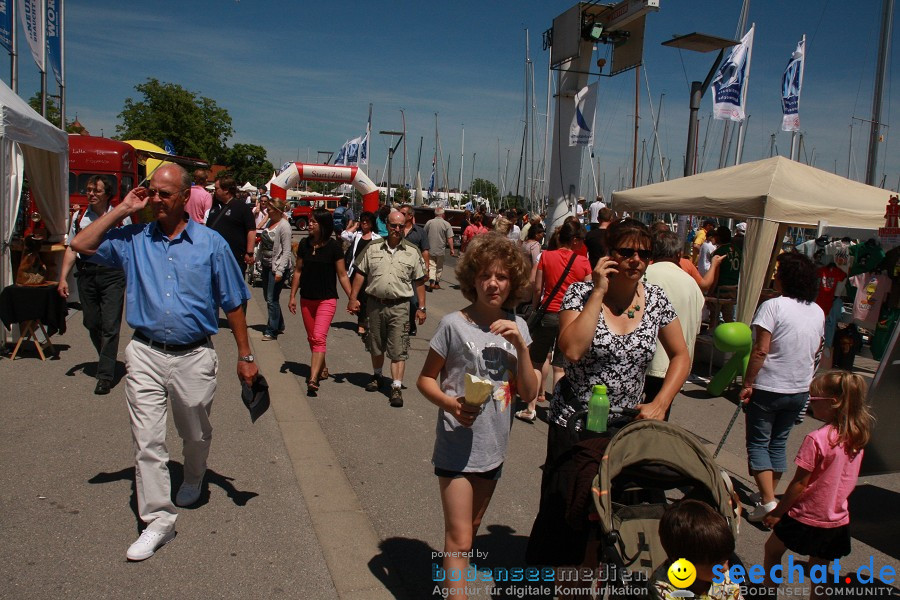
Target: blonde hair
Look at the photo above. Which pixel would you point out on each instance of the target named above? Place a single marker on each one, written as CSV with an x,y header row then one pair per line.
x,y
851,420
486,249
502,225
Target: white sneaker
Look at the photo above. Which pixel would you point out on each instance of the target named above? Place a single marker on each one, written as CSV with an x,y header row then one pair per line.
x,y
189,493
761,510
148,543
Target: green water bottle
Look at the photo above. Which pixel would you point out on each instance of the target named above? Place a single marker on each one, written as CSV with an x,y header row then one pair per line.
x,y
598,410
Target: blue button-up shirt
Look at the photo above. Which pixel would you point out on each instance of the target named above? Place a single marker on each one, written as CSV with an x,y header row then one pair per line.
x,y
174,287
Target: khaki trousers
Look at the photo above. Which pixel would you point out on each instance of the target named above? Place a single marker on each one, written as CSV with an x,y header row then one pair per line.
x,y
188,380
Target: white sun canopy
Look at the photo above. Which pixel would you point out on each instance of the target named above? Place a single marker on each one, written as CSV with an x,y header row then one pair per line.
x,y
770,195
30,145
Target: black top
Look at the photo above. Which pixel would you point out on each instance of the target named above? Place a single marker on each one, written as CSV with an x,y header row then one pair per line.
x,y
418,238
233,225
595,242
318,275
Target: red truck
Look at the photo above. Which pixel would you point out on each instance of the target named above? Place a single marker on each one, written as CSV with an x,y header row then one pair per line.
x,y
304,207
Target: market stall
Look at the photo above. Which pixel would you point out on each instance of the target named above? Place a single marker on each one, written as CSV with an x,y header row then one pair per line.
x,y
771,195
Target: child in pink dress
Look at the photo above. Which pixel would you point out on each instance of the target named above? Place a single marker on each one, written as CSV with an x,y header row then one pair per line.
x,y
812,517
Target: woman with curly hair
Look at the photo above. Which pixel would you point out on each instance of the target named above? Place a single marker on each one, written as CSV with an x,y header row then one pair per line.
x,y
487,340
789,330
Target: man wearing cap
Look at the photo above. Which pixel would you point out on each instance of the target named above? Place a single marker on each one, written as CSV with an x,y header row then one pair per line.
x,y
178,275
390,267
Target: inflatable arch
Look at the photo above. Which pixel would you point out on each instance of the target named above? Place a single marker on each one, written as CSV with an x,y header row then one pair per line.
x,y
293,173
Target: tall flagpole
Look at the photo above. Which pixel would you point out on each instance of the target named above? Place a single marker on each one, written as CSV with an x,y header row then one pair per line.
x,y
739,152
62,64
13,55
369,140
887,15
44,60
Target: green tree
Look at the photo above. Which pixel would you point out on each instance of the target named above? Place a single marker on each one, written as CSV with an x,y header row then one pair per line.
x,y
52,112
485,189
195,125
401,195
248,162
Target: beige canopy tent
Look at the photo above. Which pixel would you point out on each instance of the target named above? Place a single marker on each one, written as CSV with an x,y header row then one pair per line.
x,y
771,195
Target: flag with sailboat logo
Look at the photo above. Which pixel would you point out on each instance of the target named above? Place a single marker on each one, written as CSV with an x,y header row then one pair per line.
x,y
581,130
731,81
791,83
353,152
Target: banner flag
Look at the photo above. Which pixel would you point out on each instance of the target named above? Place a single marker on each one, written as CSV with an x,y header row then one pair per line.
x,y
352,157
364,150
341,158
6,24
431,182
580,133
730,83
54,37
33,23
169,146
791,83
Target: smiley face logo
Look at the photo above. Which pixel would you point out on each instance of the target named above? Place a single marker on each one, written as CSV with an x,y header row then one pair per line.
x,y
682,573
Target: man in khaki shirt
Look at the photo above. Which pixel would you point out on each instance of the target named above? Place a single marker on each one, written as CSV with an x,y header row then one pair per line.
x,y
390,266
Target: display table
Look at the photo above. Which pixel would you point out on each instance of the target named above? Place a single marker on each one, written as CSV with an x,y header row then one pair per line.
x,y
35,308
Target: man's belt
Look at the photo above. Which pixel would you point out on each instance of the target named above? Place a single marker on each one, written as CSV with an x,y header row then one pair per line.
x,y
170,347
389,301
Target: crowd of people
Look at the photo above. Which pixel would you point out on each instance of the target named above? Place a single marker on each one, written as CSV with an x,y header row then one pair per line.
x,y
612,301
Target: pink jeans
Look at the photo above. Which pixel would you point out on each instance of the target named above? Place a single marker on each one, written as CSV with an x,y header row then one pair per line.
x,y
317,316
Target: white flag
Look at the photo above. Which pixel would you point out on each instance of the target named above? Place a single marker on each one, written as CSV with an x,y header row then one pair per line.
x,y
364,150
791,83
33,23
731,81
581,131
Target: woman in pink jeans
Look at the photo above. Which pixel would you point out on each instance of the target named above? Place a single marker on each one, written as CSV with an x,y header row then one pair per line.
x,y
320,265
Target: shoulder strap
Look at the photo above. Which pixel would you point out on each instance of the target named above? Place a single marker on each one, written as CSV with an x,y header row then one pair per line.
x,y
219,214
559,283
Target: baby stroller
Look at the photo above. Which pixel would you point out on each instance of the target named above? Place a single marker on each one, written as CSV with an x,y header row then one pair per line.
x,y
648,465
602,500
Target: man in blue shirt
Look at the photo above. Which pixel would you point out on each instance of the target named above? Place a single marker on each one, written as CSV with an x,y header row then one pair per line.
x,y
178,274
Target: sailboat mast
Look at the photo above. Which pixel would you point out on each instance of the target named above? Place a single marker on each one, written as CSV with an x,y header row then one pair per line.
x,y
524,158
637,109
462,157
887,16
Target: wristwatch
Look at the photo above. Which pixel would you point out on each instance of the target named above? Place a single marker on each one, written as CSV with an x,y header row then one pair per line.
x,y
422,308
248,253
249,358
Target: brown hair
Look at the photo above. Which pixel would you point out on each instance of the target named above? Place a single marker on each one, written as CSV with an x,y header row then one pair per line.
x,y
485,250
625,229
691,529
852,420
227,183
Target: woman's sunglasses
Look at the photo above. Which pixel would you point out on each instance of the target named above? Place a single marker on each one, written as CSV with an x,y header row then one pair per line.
x,y
629,252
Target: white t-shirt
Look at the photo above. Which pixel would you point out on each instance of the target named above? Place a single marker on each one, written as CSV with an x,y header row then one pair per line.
x,y
704,262
686,299
797,331
595,207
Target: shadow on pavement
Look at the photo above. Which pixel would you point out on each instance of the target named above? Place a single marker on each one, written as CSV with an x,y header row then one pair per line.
x,y
871,523
176,473
90,369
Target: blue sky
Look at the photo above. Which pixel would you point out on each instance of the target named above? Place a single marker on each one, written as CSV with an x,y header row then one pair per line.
x,y
298,77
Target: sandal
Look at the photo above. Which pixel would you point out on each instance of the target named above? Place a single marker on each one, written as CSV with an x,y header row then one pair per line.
x,y
526,415
312,385
323,374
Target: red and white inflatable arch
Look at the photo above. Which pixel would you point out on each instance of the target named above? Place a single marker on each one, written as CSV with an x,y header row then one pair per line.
x,y
296,172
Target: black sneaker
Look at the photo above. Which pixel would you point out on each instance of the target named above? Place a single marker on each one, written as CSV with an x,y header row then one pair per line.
x,y
103,386
396,397
374,384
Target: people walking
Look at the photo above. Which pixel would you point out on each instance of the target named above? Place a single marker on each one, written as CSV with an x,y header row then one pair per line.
x,y
389,268
178,274
440,236
233,218
319,267
101,290
277,262
485,339
358,235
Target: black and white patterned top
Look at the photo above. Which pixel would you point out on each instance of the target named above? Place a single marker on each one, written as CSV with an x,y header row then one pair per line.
x,y
618,361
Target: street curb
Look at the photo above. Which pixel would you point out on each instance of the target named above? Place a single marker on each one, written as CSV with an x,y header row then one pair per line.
x,y
345,533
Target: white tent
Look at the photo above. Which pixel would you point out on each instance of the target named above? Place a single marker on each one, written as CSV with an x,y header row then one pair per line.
x,y
770,195
30,145
249,187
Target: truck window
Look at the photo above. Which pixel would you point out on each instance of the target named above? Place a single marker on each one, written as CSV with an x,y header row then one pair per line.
x,y
125,186
81,180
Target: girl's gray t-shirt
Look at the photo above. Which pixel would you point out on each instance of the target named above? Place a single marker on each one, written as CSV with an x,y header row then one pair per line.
x,y
469,348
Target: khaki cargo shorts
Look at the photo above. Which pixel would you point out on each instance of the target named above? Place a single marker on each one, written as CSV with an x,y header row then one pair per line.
x,y
388,329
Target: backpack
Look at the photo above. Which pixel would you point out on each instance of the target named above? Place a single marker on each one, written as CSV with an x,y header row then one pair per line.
x,y
338,217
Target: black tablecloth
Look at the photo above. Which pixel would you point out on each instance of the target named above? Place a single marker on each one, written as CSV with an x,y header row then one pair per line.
x,y
19,303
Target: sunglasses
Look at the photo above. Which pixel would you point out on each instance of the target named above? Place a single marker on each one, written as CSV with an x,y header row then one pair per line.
x,y
162,193
629,252
395,225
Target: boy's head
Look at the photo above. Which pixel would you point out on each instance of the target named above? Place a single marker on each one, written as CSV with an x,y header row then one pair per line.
x,y
691,529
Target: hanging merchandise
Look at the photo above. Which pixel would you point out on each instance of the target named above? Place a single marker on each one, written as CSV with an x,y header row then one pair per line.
x,y
871,290
883,330
847,344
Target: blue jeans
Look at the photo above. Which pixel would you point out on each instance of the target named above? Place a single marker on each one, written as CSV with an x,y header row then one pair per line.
x,y
272,293
770,418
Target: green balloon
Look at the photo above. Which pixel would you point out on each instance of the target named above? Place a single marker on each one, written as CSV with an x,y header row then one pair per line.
x,y
733,337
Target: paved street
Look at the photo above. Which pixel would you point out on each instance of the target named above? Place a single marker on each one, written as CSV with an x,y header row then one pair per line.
x,y
330,496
